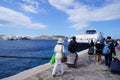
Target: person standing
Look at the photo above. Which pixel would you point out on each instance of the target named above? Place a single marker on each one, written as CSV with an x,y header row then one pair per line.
x,y
99,47
108,51
72,47
91,51
59,49
73,56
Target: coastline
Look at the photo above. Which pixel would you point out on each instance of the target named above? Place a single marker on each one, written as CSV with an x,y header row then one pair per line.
x,y
31,72
85,71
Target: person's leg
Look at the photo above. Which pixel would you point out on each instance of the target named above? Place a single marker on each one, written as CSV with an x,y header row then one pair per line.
x,y
55,67
99,58
62,68
109,60
106,60
89,58
76,56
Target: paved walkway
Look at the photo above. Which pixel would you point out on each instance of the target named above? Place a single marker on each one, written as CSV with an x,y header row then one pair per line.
x,y
86,70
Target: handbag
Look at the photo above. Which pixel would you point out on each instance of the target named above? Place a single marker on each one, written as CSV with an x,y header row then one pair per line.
x,y
64,59
52,60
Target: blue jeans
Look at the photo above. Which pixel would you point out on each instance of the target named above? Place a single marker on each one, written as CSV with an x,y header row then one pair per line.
x,y
108,59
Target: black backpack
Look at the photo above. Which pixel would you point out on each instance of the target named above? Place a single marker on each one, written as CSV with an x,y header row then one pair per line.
x,y
72,46
91,50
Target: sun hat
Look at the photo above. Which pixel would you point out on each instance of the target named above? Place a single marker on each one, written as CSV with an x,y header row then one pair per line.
x,y
98,41
60,40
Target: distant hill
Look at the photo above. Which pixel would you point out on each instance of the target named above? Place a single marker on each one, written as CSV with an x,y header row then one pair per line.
x,y
54,37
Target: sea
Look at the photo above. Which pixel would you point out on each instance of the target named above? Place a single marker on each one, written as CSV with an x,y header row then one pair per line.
x,y
19,55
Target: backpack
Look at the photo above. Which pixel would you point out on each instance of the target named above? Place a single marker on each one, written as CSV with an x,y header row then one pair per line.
x,y
106,49
72,46
91,51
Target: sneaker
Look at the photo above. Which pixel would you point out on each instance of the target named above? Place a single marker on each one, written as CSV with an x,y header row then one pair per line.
x,y
54,75
97,63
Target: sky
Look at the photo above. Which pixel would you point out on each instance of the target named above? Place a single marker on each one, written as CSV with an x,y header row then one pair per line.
x,y
59,17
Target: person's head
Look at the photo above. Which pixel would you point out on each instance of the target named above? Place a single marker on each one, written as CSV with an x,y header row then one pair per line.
x,y
91,40
60,41
98,42
74,38
108,38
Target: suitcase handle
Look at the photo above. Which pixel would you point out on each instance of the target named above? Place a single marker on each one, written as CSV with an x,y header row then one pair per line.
x,y
115,59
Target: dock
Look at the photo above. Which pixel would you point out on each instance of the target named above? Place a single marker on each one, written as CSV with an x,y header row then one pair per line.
x,y
86,70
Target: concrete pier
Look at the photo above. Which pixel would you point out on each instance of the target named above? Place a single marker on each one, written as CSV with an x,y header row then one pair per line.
x,y
86,70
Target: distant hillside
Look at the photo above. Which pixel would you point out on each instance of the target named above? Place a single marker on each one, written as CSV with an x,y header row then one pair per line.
x,y
55,37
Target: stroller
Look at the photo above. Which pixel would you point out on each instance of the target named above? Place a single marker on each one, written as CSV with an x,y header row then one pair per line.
x,y
72,60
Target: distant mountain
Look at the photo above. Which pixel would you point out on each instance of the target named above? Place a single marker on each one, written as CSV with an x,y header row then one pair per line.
x,y
54,37
45,37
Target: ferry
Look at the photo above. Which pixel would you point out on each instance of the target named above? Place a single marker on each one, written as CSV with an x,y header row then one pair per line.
x,y
83,39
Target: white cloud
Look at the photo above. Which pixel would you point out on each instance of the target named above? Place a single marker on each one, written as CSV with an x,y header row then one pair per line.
x,y
61,4
32,6
29,8
10,17
81,14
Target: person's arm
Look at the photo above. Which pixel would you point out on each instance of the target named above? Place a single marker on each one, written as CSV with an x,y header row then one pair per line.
x,y
55,50
76,46
113,49
63,49
69,45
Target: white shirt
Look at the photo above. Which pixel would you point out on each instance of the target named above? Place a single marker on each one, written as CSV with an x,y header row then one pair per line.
x,y
59,49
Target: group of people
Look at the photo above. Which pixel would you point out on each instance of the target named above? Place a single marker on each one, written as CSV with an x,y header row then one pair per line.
x,y
105,48
60,49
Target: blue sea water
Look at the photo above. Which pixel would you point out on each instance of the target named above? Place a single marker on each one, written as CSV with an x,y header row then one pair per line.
x,y
24,48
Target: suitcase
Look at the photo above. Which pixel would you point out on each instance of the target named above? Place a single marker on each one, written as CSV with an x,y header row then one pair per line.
x,y
72,65
72,60
115,66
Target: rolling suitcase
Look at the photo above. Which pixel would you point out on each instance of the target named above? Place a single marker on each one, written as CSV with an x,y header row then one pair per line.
x,y
115,65
72,60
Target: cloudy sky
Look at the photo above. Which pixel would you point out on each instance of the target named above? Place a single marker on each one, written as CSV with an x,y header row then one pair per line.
x,y
59,17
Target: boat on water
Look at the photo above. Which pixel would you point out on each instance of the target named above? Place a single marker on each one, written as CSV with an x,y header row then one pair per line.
x,y
83,39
